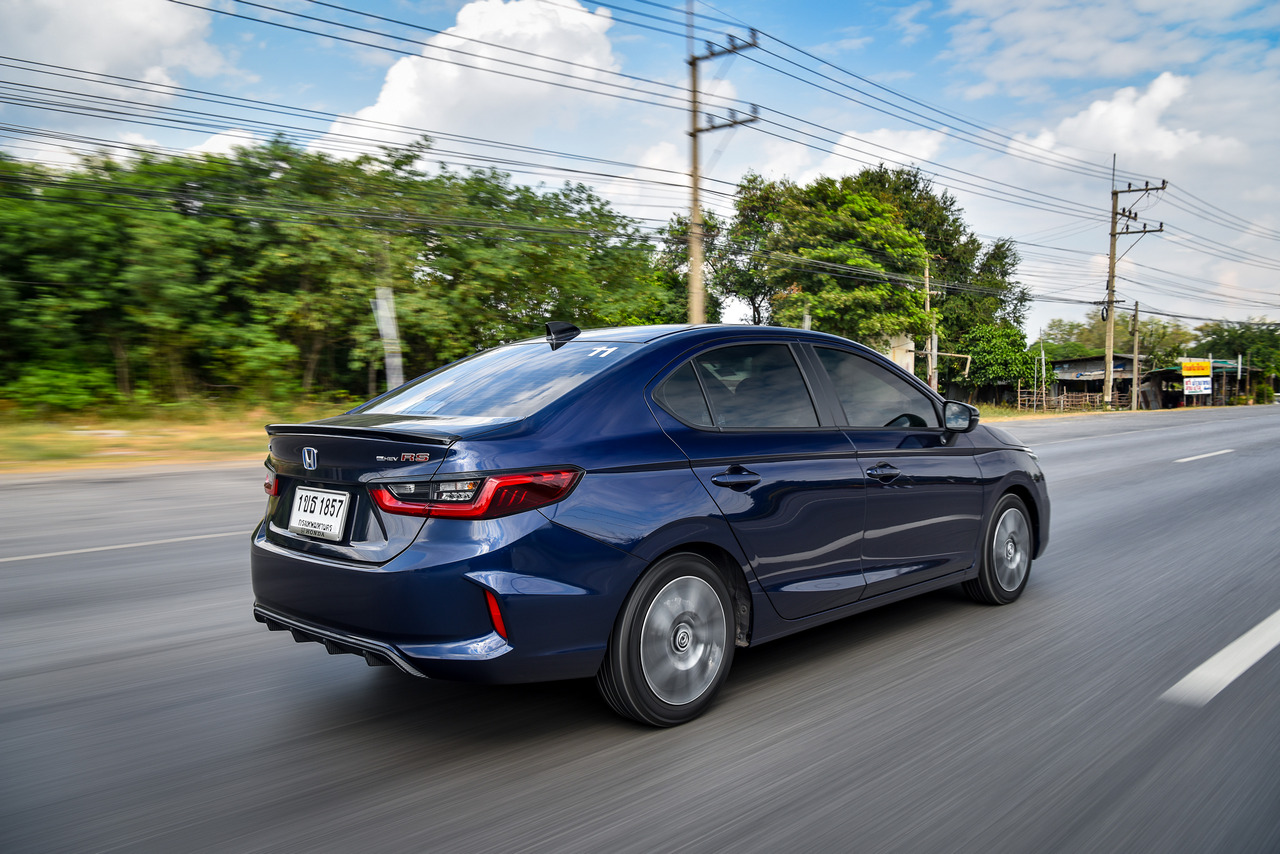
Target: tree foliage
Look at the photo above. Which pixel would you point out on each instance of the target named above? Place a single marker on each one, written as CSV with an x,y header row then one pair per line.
x,y
1257,342
1000,357
1162,341
250,274
854,252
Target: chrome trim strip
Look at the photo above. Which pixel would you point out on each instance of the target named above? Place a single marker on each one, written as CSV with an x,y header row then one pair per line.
x,y
263,614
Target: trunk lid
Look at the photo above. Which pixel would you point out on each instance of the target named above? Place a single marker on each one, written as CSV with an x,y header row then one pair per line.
x,y
323,470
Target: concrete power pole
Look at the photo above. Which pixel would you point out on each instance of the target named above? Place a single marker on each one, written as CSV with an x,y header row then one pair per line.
x,y
697,293
1129,216
1136,391
933,331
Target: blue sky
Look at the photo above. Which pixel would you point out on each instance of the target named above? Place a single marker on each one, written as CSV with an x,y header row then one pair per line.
x,y
1014,106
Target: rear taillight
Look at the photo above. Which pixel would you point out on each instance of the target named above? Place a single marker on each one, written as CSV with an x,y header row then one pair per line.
x,y
478,497
270,485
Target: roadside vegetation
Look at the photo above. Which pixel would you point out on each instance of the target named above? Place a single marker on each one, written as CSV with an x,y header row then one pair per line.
x,y
1163,341
165,308
247,279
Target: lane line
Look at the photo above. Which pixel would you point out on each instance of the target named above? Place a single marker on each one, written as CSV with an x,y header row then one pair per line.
x,y
126,546
1091,438
1206,456
1203,684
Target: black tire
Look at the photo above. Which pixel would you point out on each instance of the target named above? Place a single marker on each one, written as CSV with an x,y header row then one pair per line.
x,y
672,644
1005,559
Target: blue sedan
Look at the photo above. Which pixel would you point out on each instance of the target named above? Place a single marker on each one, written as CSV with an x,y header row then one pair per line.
x,y
633,505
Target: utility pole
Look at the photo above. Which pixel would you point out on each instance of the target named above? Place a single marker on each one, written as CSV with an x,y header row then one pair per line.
x,y
933,331
1129,216
1137,360
697,293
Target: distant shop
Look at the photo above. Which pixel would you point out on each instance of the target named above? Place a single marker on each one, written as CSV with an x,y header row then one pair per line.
x,y
1078,383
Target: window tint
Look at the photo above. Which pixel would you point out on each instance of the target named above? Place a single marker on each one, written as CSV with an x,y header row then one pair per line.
x,y
681,395
755,385
872,396
512,381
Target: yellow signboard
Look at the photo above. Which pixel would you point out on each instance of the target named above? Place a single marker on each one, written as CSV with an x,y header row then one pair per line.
x,y
1198,368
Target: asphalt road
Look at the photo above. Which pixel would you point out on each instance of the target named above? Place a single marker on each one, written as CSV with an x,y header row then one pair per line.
x,y
142,709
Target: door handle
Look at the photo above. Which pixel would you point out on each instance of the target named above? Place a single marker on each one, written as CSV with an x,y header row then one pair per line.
x,y
736,478
883,472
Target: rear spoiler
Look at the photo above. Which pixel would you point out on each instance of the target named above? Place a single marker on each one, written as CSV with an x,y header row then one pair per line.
x,y
420,437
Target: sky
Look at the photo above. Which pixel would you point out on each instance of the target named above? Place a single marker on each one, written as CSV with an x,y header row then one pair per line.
x,y
1021,110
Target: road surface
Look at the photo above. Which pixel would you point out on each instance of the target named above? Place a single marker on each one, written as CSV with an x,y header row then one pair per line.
x,y
142,709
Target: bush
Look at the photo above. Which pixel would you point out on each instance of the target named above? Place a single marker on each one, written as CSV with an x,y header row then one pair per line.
x,y
47,390
1264,394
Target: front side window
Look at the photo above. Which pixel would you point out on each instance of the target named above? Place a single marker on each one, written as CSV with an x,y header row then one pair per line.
x,y
872,395
755,386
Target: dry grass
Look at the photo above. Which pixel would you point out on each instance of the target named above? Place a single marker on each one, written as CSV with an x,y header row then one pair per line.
x,y
193,437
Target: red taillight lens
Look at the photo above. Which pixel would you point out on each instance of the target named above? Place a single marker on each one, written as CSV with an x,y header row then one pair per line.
x,y
489,498
495,615
270,485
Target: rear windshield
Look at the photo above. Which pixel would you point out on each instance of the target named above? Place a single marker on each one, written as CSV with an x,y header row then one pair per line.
x,y
512,381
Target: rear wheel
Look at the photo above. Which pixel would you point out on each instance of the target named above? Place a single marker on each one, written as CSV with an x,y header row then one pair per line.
x,y
672,644
1006,554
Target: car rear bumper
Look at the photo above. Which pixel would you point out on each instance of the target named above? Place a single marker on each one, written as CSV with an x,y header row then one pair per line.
x,y
378,653
424,612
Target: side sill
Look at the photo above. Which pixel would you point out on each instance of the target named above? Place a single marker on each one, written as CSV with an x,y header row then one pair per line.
x,y
782,628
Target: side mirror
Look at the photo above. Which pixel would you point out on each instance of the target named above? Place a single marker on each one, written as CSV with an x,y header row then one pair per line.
x,y
959,417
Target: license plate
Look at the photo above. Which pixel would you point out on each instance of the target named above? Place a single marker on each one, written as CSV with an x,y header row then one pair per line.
x,y
319,512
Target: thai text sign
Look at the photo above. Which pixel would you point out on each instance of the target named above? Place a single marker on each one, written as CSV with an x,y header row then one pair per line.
x,y
1197,368
1197,385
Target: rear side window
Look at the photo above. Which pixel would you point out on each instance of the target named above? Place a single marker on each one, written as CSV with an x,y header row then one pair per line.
x,y
681,395
755,386
512,381
873,396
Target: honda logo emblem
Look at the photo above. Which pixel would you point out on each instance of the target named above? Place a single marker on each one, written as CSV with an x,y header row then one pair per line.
x,y
309,459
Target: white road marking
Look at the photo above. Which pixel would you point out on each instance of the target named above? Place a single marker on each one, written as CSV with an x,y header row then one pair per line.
x,y
1203,684
126,546
1205,456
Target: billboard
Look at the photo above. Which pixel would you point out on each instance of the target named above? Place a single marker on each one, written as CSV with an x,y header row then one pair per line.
x,y
1197,385
1197,368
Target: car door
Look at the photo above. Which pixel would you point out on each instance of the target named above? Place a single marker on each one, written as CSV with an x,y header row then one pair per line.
x,y
786,479
924,487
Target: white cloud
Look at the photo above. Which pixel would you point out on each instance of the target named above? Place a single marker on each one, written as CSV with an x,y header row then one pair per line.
x,y
226,142
1130,123
147,39
854,152
438,92
852,40
905,20
151,40
1016,46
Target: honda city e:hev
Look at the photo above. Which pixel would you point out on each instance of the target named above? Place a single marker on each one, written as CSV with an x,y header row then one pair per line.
x,y
632,505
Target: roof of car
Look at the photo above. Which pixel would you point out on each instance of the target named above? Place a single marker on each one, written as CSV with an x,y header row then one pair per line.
x,y
646,334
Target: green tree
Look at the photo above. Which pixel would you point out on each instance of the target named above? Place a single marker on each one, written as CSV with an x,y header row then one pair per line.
x,y
844,257
1000,357
1256,341
250,274
973,284
1162,341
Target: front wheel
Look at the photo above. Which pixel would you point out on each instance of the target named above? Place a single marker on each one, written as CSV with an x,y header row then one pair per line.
x,y
1005,562
672,644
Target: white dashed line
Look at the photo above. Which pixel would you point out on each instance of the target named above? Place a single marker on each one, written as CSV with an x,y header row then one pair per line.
x,y
1203,684
1204,456
126,546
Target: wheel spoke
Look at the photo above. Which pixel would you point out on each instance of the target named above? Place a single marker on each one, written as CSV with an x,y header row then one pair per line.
x,y
682,640
1010,549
